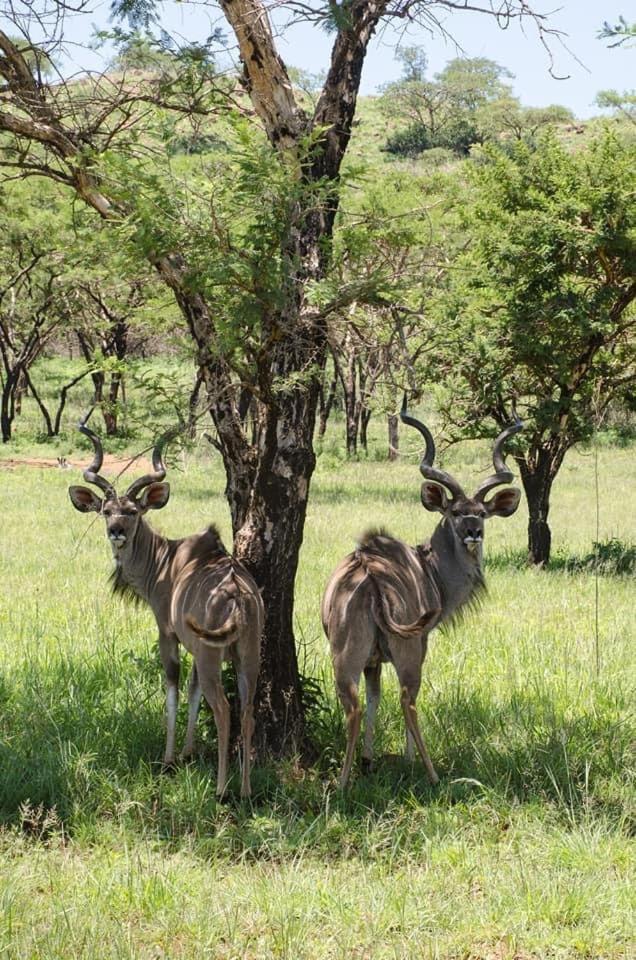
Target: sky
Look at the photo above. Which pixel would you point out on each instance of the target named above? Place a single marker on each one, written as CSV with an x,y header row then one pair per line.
x,y
578,55
586,63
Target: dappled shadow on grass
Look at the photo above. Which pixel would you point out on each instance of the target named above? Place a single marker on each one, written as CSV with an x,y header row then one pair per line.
x,y
339,493
85,739
208,495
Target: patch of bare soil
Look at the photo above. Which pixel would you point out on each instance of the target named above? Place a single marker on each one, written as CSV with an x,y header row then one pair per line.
x,y
111,465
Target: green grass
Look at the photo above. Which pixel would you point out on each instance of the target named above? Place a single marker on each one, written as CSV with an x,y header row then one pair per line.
x,y
524,850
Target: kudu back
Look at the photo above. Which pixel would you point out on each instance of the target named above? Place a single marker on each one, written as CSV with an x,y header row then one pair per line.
x,y
383,600
200,596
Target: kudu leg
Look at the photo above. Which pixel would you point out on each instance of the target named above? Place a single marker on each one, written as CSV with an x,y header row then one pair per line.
x,y
349,699
209,670
194,701
407,699
169,652
247,675
373,682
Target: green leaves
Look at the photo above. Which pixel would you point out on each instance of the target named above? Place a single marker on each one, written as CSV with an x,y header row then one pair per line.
x,y
548,281
453,111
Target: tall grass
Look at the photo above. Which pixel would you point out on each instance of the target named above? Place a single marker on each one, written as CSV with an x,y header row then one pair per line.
x,y
524,850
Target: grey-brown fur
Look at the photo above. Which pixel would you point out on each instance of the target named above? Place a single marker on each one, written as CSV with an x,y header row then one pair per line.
x,y
200,596
209,544
383,600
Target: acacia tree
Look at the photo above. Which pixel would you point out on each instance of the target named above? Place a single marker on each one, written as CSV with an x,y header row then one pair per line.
x,y
35,292
539,316
106,322
267,338
375,350
28,319
507,118
623,104
388,253
384,265
442,112
104,336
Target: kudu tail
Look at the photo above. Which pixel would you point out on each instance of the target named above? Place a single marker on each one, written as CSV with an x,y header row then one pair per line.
x,y
382,616
214,638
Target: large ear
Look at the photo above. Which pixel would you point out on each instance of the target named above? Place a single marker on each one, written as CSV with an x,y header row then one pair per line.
x,y
85,500
434,497
155,496
504,503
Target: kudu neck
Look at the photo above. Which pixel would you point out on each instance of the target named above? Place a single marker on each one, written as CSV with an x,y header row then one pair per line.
x,y
446,544
458,573
140,563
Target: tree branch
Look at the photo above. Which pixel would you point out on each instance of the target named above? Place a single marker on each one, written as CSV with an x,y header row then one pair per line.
x,y
336,105
266,78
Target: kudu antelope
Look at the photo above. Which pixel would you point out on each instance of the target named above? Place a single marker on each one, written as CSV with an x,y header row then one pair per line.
x,y
199,595
383,600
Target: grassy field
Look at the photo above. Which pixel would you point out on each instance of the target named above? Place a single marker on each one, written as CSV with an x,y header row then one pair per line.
x,y
524,850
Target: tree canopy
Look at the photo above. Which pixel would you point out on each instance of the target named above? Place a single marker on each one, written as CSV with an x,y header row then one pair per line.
x,y
538,316
467,103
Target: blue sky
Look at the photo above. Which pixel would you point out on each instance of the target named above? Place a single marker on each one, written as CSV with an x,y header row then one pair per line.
x,y
586,61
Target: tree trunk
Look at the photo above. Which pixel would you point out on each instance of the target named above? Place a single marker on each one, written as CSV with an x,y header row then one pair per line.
x,y
7,404
394,436
113,344
268,520
270,551
267,489
110,420
326,404
365,416
119,343
539,534
63,397
88,351
43,409
362,408
538,472
351,408
193,401
21,391
351,427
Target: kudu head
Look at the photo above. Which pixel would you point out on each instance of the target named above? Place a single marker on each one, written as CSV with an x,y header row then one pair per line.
x,y
465,516
121,513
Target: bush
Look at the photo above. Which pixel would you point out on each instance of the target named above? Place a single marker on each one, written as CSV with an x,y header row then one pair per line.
x,y
410,142
609,557
416,139
458,136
